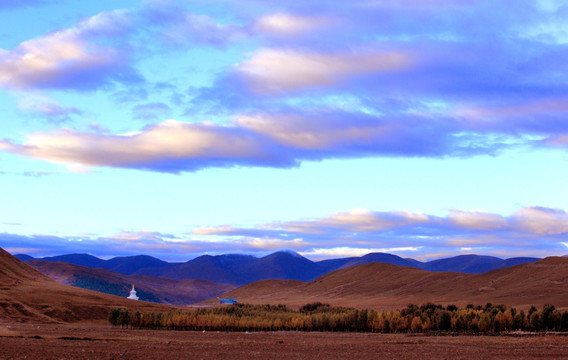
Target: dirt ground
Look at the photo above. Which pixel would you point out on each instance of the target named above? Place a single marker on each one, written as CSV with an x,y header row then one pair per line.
x,y
27,341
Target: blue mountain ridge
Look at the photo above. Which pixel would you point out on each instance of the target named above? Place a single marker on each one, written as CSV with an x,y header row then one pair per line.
x,y
238,269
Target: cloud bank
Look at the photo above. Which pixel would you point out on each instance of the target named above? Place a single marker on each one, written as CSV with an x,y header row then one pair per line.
x,y
530,231
274,140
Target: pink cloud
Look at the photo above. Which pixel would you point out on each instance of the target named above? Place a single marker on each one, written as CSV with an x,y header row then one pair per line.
x,y
540,220
290,24
169,146
281,70
67,58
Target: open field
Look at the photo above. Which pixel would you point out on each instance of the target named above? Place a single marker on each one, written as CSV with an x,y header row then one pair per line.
x,y
99,342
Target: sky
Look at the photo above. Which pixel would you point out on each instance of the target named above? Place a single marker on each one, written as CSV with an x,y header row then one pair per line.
x,y
422,128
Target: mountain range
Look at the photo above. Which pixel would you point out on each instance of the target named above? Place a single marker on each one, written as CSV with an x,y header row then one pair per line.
x,y
236,269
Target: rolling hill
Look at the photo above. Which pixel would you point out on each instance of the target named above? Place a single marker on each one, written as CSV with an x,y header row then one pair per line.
x,y
386,286
28,295
382,258
148,288
474,264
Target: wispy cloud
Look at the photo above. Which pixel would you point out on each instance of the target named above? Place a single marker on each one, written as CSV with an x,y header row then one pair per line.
x,y
47,108
151,111
33,174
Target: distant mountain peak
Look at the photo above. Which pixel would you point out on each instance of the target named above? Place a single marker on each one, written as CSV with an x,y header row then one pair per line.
x,y
288,252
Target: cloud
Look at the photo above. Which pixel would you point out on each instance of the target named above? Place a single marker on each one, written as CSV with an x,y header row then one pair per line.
x,y
470,64
195,28
477,220
170,146
176,26
541,220
528,220
345,134
151,111
530,230
290,24
32,174
48,108
128,243
358,220
277,70
559,140
430,79
345,251
70,58
214,230
122,244
274,244
270,141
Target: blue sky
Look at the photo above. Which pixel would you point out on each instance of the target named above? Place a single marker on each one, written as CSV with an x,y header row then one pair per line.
x,y
424,128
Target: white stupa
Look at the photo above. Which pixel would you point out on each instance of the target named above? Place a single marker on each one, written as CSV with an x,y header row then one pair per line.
x,y
133,294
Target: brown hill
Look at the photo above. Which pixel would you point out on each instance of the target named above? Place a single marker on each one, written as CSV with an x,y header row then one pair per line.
x,y
385,286
149,288
28,295
13,271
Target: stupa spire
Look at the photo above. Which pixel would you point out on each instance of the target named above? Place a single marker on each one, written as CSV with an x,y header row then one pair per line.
x,y
133,294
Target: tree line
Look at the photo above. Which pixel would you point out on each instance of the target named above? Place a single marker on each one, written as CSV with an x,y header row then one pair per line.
x,y
323,317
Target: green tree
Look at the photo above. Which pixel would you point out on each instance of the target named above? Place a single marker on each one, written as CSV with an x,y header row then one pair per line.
x,y
535,321
113,316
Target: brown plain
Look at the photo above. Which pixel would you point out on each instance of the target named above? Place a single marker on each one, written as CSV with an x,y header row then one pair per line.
x,y
94,342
